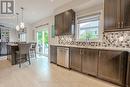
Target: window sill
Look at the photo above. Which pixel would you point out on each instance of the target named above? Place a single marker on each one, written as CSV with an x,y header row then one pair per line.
x,y
96,40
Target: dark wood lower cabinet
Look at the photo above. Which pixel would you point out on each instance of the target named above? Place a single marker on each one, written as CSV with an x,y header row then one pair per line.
x,y
112,66
53,54
107,65
128,81
128,72
90,61
75,59
12,57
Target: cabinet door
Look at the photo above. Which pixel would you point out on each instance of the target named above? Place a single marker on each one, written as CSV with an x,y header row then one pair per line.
x,y
129,75
75,59
69,22
53,54
125,14
59,24
90,62
128,72
111,15
112,66
0,48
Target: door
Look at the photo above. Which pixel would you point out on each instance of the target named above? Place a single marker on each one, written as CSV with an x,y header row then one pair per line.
x,y
59,24
111,14
125,14
90,61
42,40
75,59
112,66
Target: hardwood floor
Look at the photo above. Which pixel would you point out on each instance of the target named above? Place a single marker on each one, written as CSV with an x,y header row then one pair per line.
x,y
43,74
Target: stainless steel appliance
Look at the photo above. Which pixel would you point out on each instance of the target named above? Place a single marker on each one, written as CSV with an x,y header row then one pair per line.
x,y
4,39
63,56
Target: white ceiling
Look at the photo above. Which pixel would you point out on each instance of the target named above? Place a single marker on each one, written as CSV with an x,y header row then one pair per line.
x,y
34,10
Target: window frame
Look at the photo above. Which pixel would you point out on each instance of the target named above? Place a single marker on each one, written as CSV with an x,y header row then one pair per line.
x,y
100,30
21,38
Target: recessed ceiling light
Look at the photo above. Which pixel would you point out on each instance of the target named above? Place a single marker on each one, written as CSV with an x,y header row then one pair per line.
x,y
52,0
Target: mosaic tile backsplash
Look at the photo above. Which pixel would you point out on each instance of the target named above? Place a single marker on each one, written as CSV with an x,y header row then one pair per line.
x,y
110,39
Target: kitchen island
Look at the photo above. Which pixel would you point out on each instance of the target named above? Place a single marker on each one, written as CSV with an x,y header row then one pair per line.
x,y
12,48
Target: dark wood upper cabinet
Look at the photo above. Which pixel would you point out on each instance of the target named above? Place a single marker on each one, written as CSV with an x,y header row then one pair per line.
x,y
90,61
65,23
75,59
116,15
59,23
69,22
112,66
111,14
125,14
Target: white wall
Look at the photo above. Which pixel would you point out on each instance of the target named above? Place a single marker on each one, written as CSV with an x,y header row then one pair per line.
x,y
50,22
13,36
81,7
78,5
29,37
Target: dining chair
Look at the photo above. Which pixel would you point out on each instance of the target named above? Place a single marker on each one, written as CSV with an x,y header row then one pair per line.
x,y
33,49
23,54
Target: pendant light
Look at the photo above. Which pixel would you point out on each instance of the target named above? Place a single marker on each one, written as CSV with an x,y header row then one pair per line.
x,y
17,26
22,25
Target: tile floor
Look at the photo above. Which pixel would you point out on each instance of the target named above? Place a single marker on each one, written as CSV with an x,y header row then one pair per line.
x,y
43,74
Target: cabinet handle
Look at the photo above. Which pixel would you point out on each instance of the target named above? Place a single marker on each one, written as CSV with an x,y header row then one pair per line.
x,y
83,52
118,25
80,52
122,24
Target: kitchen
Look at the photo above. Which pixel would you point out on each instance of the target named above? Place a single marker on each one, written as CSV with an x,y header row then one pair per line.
x,y
89,38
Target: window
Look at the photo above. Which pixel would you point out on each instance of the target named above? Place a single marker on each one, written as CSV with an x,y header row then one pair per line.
x,y
88,27
23,37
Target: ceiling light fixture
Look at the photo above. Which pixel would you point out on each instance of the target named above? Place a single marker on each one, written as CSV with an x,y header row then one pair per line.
x,y
17,26
22,25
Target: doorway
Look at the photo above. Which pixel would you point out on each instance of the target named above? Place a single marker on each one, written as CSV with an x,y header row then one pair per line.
x,y
42,42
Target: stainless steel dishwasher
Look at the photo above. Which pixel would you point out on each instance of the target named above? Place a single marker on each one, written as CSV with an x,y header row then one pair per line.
x,y
63,56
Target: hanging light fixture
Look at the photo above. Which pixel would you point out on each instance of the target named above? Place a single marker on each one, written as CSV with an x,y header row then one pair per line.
x,y
22,25
17,26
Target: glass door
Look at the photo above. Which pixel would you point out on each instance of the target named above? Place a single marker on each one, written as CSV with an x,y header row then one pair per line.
x,y
42,40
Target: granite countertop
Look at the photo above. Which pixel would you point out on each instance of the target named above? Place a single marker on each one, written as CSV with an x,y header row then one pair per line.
x,y
100,48
13,44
